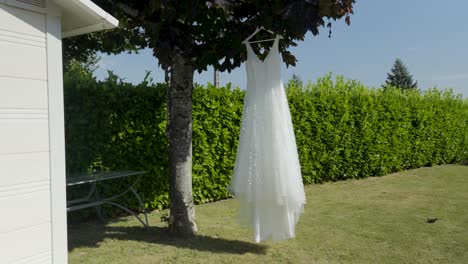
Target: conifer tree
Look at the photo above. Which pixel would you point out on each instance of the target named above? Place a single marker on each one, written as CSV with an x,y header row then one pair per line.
x,y
296,80
400,77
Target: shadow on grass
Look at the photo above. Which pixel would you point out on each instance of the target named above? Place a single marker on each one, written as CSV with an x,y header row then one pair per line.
x,y
90,235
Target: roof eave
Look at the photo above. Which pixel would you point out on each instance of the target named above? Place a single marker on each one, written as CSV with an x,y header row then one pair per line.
x,y
99,19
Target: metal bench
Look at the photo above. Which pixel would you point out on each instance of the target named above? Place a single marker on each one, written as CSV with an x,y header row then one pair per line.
x,y
93,197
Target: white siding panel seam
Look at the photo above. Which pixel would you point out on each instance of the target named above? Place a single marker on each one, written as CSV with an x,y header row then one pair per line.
x,y
24,153
24,113
7,195
23,189
23,110
23,116
23,77
18,117
22,42
21,185
30,110
22,36
19,229
44,257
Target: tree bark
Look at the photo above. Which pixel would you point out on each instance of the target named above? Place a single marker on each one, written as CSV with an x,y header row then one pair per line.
x,y
182,210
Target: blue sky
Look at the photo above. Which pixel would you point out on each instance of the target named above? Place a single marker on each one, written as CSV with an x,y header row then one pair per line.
x,y
431,37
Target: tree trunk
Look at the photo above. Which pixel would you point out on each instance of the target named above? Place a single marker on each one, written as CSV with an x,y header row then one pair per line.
x,y
182,210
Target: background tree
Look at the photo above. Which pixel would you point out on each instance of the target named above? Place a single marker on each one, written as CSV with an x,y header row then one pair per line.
x,y
400,77
296,80
188,36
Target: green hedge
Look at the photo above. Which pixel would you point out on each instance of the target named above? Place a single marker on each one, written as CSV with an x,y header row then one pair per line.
x,y
113,125
343,129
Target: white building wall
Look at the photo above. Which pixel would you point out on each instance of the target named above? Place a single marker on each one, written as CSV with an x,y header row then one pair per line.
x,y
25,146
33,226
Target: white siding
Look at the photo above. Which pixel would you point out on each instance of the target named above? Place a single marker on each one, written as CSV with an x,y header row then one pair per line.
x,y
23,135
21,21
18,169
27,245
18,213
18,93
25,196
22,61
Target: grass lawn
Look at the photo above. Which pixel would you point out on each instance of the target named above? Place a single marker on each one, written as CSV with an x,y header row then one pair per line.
x,y
375,220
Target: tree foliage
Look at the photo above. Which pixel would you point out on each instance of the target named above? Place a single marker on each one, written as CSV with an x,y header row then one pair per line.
x,y
206,32
400,77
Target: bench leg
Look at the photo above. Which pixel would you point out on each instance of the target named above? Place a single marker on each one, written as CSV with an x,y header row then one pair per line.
x,y
130,212
142,207
97,198
144,221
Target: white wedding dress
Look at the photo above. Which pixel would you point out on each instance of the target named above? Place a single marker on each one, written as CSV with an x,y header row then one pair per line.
x,y
267,177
